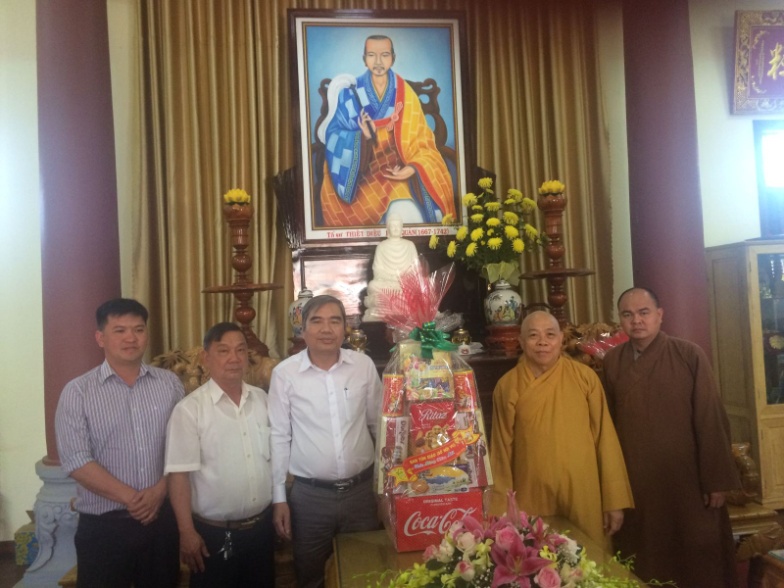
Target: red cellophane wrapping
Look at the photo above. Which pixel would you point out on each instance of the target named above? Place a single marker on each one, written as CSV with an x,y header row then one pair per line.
x,y
433,466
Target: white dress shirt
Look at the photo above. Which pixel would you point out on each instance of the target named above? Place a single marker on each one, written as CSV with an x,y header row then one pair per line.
x,y
226,448
322,420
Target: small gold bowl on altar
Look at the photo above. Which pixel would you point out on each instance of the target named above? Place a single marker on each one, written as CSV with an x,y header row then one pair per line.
x,y
461,337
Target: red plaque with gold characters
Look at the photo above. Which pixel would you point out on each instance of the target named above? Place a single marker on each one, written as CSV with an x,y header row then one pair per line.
x,y
759,61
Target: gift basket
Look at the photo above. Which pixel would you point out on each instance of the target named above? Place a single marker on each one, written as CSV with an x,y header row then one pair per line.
x,y
432,461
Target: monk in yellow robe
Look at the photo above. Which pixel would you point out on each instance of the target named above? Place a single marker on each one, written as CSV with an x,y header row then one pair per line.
x,y
553,440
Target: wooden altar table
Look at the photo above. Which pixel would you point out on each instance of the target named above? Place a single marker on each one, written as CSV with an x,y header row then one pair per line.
x,y
358,554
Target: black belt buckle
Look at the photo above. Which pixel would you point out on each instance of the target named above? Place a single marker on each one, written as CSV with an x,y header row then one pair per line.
x,y
343,485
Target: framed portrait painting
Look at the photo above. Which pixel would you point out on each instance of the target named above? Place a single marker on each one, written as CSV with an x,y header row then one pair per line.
x,y
759,62
380,121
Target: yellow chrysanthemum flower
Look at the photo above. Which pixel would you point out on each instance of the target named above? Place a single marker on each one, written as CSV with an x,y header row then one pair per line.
x,y
471,250
478,208
433,241
518,245
510,218
493,221
528,205
530,231
486,183
495,243
451,249
493,206
477,218
477,234
236,196
511,232
515,194
510,201
462,233
552,187
469,199
448,219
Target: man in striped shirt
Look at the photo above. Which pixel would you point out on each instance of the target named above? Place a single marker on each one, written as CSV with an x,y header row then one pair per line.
x,y
111,434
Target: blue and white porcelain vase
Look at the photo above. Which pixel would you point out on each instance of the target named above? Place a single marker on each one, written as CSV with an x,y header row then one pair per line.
x,y
295,311
503,306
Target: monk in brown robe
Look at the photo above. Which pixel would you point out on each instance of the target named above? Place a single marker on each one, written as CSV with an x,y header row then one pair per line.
x,y
553,440
676,440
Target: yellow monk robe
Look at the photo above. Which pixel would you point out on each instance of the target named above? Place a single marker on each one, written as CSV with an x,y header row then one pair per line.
x,y
554,443
402,139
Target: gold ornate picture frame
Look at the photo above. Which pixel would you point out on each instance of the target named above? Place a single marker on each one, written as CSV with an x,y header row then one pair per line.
x,y
759,62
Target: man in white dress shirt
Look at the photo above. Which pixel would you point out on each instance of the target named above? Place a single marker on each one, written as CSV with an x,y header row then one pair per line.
x,y
324,404
218,462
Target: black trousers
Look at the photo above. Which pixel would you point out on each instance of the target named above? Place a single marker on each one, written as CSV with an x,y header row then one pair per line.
x,y
252,558
114,550
317,515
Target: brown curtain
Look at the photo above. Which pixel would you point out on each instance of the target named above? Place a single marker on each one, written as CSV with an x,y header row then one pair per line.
x,y
217,114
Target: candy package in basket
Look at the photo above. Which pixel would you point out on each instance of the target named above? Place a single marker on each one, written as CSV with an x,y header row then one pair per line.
x,y
433,465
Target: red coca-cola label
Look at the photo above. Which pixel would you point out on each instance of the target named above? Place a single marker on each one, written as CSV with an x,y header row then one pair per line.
x,y
420,521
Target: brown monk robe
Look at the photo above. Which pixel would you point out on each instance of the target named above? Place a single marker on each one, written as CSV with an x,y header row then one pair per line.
x,y
675,438
553,441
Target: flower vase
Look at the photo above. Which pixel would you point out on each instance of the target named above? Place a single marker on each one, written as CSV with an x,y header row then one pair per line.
x,y
503,306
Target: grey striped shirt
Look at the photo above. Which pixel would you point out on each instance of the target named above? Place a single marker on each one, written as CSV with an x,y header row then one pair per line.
x,y
123,428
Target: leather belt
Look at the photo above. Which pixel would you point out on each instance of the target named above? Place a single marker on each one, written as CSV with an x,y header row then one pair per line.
x,y
338,485
240,525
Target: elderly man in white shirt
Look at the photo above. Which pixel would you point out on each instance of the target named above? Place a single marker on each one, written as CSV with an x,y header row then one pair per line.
x,y
220,478
324,406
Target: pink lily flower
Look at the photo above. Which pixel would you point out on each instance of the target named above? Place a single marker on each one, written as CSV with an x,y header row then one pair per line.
x,y
516,563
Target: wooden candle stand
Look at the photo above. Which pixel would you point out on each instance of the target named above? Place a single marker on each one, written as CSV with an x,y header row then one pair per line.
x,y
238,217
553,205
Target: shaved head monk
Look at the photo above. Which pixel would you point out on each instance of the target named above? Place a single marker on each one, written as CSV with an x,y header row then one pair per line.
x,y
553,441
676,439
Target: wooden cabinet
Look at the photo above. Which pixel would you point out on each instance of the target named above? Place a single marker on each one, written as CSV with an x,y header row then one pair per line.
x,y
747,324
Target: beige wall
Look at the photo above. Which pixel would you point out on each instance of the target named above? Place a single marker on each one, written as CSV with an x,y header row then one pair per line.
x,y
727,170
22,438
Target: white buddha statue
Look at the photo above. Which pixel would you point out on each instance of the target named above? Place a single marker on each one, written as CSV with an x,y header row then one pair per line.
x,y
394,255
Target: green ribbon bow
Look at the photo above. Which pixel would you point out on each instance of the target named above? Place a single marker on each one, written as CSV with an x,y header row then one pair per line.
x,y
431,339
